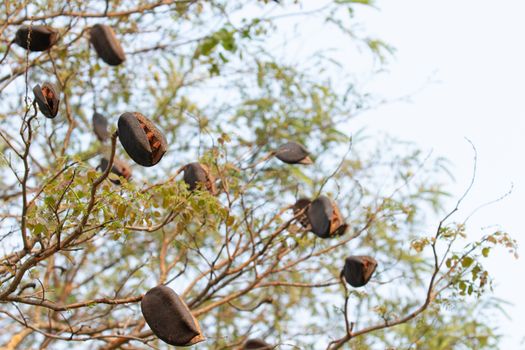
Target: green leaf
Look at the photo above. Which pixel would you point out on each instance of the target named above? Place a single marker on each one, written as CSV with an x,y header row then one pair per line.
x,y
467,261
92,174
39,228
121,211
50,201
207,46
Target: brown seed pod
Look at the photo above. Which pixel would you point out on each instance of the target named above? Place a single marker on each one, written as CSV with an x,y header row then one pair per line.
x,y
106,44
47,98
169,317
325,218
119,168
100,127
256,344
196,174
337,225
358,270
302,204
36,38
143,142
293,153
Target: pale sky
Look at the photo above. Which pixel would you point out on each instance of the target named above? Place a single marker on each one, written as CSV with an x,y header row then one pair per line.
x,y
470,57
463,64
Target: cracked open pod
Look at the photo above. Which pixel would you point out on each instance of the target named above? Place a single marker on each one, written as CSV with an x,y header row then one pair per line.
x,y
256,344
293,153
359,269
106,44
47,98
119,168
302,205
169,317
196,174
100,127
36,38
143,142
325,218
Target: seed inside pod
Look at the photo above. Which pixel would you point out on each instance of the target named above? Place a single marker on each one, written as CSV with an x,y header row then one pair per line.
x,y
196,174
119,168
106,44
337,226
47,99
36,38
143,142
169,317
358,270
100,127
302,204
293,153
325,218
256,344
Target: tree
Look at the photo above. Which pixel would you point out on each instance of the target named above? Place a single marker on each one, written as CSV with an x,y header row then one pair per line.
x,y
82,245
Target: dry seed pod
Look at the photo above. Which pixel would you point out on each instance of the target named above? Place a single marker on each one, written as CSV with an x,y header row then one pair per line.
x,y
325,218
100,127
256,344
195,174
337,225
36,38
47,98
144,143
106,44
358,270
301,204
293,153
169,317
119,168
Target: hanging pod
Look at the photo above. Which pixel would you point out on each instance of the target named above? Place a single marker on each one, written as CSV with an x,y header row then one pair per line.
x,y
47,98
100,127
325,218
301,204
119,168
293,153
143,142
256,344
196,174
359,269
36,38
106,44
169,317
